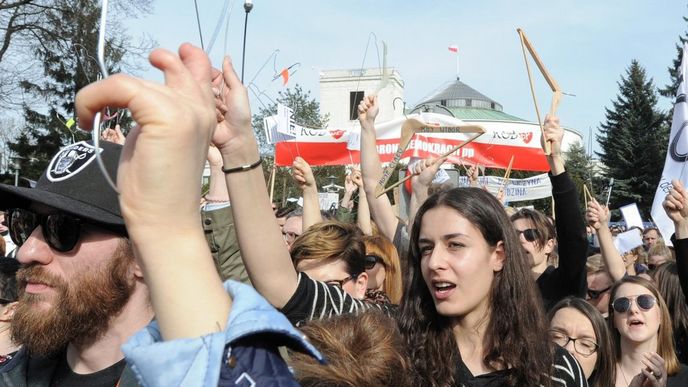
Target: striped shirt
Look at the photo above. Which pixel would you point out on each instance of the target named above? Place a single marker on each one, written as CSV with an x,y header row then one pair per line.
x,y
315,300
567,373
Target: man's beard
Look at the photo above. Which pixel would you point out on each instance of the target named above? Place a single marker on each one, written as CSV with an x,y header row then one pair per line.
x,y
82,308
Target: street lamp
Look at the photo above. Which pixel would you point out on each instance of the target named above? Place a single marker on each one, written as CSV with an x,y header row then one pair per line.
x,y
16,165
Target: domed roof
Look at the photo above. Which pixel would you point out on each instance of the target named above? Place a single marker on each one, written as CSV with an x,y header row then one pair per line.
x,y
464,102
458,94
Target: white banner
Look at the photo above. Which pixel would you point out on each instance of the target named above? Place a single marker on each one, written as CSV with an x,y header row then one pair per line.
x,y
676,156
536,187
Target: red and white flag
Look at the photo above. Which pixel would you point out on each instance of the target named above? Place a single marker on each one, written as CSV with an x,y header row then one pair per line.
x,y
454,49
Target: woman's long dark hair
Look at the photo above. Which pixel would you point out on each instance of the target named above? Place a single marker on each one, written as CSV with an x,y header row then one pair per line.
x,y
514,337
604,373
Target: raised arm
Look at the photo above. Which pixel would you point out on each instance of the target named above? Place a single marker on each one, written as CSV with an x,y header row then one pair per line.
x,y
175,123
676,206
263,249
598,218
423,173
371,168
303,175
570,224
363,210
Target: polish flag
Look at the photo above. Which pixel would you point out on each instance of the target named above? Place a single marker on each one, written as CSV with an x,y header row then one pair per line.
x,y
453,48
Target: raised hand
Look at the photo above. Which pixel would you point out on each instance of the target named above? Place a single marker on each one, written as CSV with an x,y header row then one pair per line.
x,y
356,178
175,123
234,136
113,135
367,111
424,171
552,133
675,202
303,174
349,184
597,215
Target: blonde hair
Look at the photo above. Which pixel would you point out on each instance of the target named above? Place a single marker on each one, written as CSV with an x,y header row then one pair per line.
x,y
660,248
381,246
331,241
665,336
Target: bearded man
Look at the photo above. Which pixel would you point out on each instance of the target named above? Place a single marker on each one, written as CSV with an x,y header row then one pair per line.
x,y
81,293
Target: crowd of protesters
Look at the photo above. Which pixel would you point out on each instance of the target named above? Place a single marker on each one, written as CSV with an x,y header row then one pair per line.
x,y
140,287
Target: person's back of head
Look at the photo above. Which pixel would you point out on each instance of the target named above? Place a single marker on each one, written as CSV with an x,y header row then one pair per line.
x,y
361,350
331,241
666,278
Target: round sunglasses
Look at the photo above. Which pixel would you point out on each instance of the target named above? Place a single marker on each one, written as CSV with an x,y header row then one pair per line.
x,y
60,230
644,302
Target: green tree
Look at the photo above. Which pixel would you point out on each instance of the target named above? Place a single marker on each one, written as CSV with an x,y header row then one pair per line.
x,y
65,66
307,113
633,139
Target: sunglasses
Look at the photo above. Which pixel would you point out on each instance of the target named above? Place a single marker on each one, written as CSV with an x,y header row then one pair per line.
x,y
644,302
595,294
371,260
530,234
60,230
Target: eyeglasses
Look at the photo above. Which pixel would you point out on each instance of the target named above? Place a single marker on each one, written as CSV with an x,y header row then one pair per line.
x,y
341,282
530,234
290,236
595,294
371,260
644,302
60,230
583,346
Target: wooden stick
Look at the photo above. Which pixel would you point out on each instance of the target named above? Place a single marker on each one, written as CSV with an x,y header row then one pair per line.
x,y
553,85
507,174
586,195
446,154
408,129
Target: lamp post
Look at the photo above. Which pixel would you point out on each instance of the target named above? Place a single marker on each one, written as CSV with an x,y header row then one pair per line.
x,y
16,165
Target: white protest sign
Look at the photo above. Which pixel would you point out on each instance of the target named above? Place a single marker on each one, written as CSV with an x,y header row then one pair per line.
x,y
536,187
627,241
632,216
327,200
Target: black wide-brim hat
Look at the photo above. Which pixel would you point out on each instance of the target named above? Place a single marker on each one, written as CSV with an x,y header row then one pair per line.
x,y
73,183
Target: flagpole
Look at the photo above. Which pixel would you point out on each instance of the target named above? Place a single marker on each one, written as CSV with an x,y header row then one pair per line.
x,y
457,65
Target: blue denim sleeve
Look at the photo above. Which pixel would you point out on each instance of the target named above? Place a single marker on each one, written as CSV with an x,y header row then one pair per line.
x,y
253,325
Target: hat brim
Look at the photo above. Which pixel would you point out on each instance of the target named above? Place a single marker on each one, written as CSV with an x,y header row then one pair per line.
x,y
21,197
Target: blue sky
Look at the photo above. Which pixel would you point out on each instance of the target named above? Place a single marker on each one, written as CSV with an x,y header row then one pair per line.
x,y
586,45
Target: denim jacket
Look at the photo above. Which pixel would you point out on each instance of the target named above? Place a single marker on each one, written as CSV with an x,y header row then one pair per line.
x,y
238,353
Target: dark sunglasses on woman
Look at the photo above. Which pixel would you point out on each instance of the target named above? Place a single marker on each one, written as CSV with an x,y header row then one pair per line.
x,y
644,302
371,260
60,230
530,234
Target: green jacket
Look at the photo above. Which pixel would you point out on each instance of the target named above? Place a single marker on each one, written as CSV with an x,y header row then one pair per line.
x,y
218,226
26,371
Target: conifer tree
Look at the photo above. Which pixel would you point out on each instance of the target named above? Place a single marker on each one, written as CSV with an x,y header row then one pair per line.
x,y
633,139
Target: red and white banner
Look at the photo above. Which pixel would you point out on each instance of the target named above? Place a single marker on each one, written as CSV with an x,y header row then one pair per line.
x,y
493,149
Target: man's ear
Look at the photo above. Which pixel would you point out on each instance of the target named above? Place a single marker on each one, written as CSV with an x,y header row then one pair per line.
x,y
498,257
8,312
361,285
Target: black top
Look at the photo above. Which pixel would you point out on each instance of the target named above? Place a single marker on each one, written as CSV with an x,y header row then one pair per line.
x,y
681,336
314,300
569,279
680,379
567,372
64,376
